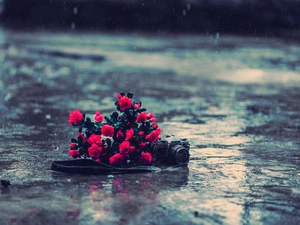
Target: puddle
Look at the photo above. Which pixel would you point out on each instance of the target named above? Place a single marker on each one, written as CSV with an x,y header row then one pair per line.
x,y
239,112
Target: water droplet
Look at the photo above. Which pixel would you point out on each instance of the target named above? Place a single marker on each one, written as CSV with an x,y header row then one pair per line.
x,y
184,12
75,10
188,6
7,97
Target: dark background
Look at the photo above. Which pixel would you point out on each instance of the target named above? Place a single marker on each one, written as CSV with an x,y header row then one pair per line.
x,y
247,17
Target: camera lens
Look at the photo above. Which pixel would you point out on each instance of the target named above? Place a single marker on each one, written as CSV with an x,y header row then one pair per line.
x,y
180,155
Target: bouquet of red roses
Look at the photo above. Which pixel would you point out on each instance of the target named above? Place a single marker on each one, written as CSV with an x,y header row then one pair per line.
x,y
123,139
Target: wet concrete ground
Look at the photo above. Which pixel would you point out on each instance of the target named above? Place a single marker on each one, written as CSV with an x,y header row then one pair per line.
x,y
235,98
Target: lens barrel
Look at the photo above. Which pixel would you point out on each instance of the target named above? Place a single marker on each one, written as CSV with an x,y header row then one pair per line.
x,y
180,154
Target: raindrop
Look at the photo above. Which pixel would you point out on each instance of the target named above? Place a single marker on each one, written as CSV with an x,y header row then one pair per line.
x,y
73,26
188,6
7,97
217,38
75,10
184,12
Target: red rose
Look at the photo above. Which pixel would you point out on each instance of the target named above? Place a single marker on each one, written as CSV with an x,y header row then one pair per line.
x,y
98,117
119,96
151,117
95,139
74,153
154,126
137,105
142,145
146,158
94,151
129,134
75,117
141,118
124,103
73,146
97,160
116,160
141,133
152,120
107,130
125,148
82,137
120,135
153,136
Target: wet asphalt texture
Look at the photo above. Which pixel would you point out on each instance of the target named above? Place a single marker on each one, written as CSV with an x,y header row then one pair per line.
x,y
236,99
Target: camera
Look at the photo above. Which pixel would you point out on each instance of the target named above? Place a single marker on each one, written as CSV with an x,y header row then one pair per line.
x,y
175,152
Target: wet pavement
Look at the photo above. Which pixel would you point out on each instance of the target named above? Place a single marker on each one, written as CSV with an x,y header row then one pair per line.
x,y
236,99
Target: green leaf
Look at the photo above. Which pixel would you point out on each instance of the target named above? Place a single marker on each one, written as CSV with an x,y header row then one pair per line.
x,y
81,151
115,115
98,125
73,140
108,142
130,95
142,110
147,125
88,120
108,120
115,147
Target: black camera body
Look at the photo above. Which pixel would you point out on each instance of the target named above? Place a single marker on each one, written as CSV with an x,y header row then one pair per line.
x,y
174,152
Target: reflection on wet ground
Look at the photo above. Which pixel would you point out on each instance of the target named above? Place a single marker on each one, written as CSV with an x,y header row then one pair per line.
x,y
236,99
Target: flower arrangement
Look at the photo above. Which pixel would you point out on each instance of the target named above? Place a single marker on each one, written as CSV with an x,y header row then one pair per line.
x,y
123,139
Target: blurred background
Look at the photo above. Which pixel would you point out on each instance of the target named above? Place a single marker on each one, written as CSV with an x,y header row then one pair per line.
x,y
247,17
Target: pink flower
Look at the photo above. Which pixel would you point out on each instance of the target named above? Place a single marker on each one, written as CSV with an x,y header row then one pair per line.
x,y
141,133
125,148
152,120
124,103
119,96
116,159
82,137
98,117
137,105
74,153
107,130
73,146
151,117
120,135
97,160
154,126
146,158
129,134
142,145
95,139
94,151
153,136
141,118
75,117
